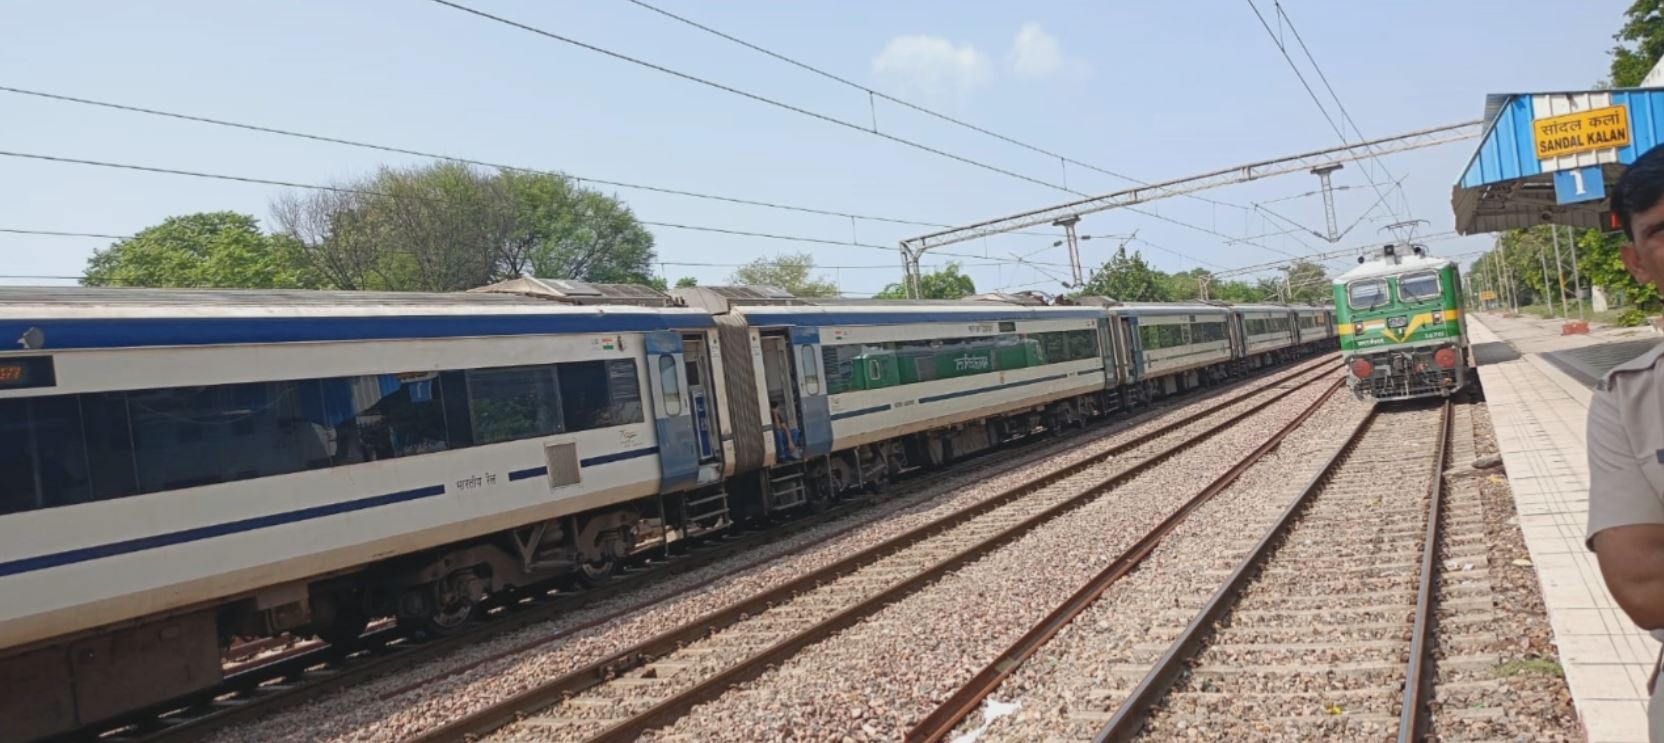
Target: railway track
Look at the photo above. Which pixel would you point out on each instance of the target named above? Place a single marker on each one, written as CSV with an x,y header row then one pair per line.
x,y
1326,627
293,676
655,682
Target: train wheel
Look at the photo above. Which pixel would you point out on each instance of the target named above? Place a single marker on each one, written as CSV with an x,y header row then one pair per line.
x,y
443,621
597,573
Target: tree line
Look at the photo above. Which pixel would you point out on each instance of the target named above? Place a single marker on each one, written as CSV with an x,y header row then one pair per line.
x,y
1523,262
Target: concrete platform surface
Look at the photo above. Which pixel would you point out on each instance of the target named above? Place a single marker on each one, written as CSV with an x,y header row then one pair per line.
x,y
1538,410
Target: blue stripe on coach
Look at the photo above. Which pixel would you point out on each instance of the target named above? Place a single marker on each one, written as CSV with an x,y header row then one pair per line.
x,y
527,473
619,456
84,554
204,331
114,549
860,411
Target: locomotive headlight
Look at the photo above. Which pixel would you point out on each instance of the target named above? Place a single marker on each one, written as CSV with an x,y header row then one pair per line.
x,y
1438,317
1445,357
1362,369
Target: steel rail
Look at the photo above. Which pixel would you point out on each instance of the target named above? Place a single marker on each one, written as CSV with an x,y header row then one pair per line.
x,y
947,715
1131,715
1412,716
496,716
263,687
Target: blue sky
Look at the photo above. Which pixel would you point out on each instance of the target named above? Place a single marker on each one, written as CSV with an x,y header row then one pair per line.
x,y
1154,90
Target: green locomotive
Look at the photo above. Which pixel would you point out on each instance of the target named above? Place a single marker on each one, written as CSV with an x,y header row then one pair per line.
x,y
1401,326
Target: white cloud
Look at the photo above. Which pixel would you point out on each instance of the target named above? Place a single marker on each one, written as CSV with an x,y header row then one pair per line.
x,y
1036,54
932,66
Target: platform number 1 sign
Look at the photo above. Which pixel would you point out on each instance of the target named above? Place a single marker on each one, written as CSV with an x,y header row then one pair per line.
x,y
1582,184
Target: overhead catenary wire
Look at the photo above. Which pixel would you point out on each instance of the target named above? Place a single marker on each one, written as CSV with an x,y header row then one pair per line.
x,y
1339,130
745,94
396,150
1346,116
800,110
368,192
874,93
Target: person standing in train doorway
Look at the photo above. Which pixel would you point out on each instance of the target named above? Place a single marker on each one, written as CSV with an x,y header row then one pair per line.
x,y
1626,437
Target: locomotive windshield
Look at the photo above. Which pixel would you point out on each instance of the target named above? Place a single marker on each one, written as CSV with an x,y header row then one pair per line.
x,y
1414,288
1367,294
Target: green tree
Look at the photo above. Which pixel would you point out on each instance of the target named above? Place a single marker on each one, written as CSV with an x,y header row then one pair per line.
x,y
686,282
787,271
1128,278
203,250
448,227
1640,43
1186,286
945,283
1307,282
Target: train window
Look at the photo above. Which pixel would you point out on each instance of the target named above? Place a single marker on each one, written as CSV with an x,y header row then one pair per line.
x,y
1418,287
625,390
1366,294
1083,344
383,416
670,385
19,489
810,370
1207,332
513,403
584,398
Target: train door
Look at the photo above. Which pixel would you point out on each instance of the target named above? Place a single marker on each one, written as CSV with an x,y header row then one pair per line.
x,y
782,420
1111,353
811,384
701,394
672,413
1132,346
1239,339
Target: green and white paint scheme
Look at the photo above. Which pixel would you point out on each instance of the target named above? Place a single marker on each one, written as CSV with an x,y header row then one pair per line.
x,y
1400,323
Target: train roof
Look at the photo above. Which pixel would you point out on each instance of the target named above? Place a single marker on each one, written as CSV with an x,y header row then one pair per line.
x,y
87,317
870,313
1392,267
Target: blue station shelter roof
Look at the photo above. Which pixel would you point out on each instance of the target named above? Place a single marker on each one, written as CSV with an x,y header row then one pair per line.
x,y
1534,139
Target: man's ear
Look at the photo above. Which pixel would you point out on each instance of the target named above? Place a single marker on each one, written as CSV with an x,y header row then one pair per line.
x,y
1632,261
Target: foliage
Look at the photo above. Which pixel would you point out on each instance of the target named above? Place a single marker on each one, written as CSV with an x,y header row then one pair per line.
x,y
945,283
1522,255
788,271
1633,317
1308,282
448,227
1640,43
1128,278
686,282
1187,285
203,250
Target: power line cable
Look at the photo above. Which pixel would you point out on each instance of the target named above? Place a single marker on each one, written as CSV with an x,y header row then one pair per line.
x,y
796,109
745,94
908,104
1346,117
467,161
368,192
1338,129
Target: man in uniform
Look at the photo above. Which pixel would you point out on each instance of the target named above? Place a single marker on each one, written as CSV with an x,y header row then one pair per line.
x,y
1626,436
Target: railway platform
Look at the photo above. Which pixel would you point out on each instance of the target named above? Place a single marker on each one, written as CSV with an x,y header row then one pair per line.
x,y
1538,385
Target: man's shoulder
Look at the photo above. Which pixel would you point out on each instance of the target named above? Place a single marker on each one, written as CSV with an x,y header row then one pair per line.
x,y
1645,362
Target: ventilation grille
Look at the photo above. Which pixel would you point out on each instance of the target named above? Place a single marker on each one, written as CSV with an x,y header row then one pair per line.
x,y
563,464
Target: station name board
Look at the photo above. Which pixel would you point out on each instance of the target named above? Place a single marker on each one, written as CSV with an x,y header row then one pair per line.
x,y
1584,131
